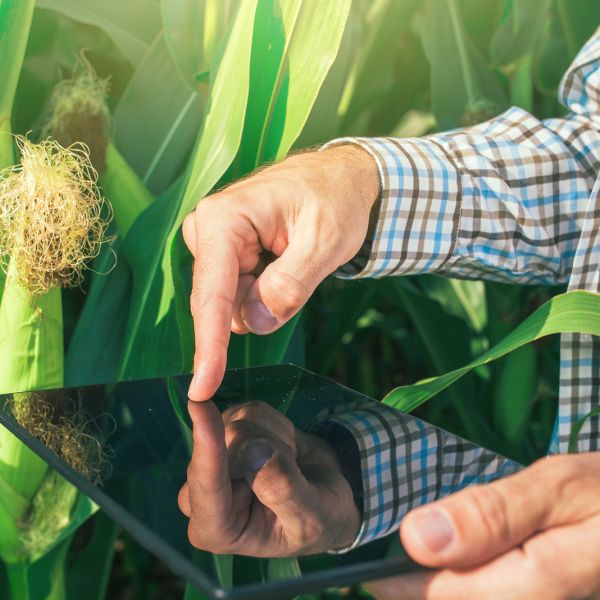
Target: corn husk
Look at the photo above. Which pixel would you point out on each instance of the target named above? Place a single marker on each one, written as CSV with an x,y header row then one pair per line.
x,y
79,113
50,227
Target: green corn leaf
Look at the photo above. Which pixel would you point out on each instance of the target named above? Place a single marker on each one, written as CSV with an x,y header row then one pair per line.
x,y
151,344
520,31
460,298
13,456
323,123
578,426
571,24
126,193
13,503
224,569
258,350
279,569
514,393
13,509
160,109
288,37
152,321
89,572
351,302
389,71
461,83
15,22
193,31
43,579
448,344
571,312
94,350
282,93
314,41
132,25
521,85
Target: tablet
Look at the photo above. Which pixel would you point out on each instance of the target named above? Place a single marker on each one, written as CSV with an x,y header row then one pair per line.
x,y
143,430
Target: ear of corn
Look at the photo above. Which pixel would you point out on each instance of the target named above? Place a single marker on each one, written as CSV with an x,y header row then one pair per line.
x,y
79,113
31,338
50,227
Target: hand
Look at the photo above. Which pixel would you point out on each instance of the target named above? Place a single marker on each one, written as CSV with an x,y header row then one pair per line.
x,y
310,213
533,535
259,487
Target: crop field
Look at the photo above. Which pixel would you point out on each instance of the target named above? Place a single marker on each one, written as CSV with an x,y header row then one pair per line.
x,y
118,116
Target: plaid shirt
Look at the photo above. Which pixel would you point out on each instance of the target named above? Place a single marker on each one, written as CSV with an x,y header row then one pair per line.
x,y
513,199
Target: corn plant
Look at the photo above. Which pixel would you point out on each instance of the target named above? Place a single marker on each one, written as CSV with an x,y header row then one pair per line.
x,y
176,98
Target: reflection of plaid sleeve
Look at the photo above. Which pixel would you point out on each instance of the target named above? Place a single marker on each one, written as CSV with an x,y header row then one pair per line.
x,y
513,199
405,462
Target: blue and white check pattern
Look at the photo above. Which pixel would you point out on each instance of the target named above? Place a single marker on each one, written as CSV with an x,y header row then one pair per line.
x,y
514,199
406,462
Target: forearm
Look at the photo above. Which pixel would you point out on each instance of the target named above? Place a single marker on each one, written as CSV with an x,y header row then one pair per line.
x,y
504,201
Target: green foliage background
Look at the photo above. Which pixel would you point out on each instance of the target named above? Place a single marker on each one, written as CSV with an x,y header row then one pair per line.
x,y
202,92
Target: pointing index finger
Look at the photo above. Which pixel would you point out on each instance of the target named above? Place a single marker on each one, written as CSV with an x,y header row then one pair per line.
x,y
210,490
214,286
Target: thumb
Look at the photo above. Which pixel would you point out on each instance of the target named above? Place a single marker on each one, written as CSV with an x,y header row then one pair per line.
x,y
284,287
477,524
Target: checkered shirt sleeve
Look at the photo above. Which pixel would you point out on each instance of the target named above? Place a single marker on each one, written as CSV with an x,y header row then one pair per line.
x,y
405,463
513,199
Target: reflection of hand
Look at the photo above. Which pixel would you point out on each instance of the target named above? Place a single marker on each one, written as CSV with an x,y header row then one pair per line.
x,y
533,535
257,486
310,212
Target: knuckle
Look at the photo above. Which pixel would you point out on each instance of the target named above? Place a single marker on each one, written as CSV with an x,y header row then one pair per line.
x,y
215,206
210,542
492,509
201,305
247,411
568,474
277,482
194,538
208,205
291,293
236,433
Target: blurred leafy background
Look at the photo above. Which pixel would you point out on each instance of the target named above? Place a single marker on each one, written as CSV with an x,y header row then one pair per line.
x,y
204,91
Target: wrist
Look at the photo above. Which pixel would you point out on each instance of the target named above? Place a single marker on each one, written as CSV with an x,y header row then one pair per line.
x,y
341,446
359,171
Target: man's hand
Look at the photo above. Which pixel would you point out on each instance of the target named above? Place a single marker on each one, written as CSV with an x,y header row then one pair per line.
x,y
259,487
262,246
533,535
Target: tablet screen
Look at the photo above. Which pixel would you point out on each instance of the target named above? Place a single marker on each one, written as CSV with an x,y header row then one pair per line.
x,y
139,442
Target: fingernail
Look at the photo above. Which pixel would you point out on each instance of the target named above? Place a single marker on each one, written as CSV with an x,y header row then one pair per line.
x,y
433,528
255,454
259,318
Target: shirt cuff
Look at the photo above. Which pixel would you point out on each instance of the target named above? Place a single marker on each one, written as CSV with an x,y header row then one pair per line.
x,y
404,463
419,208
